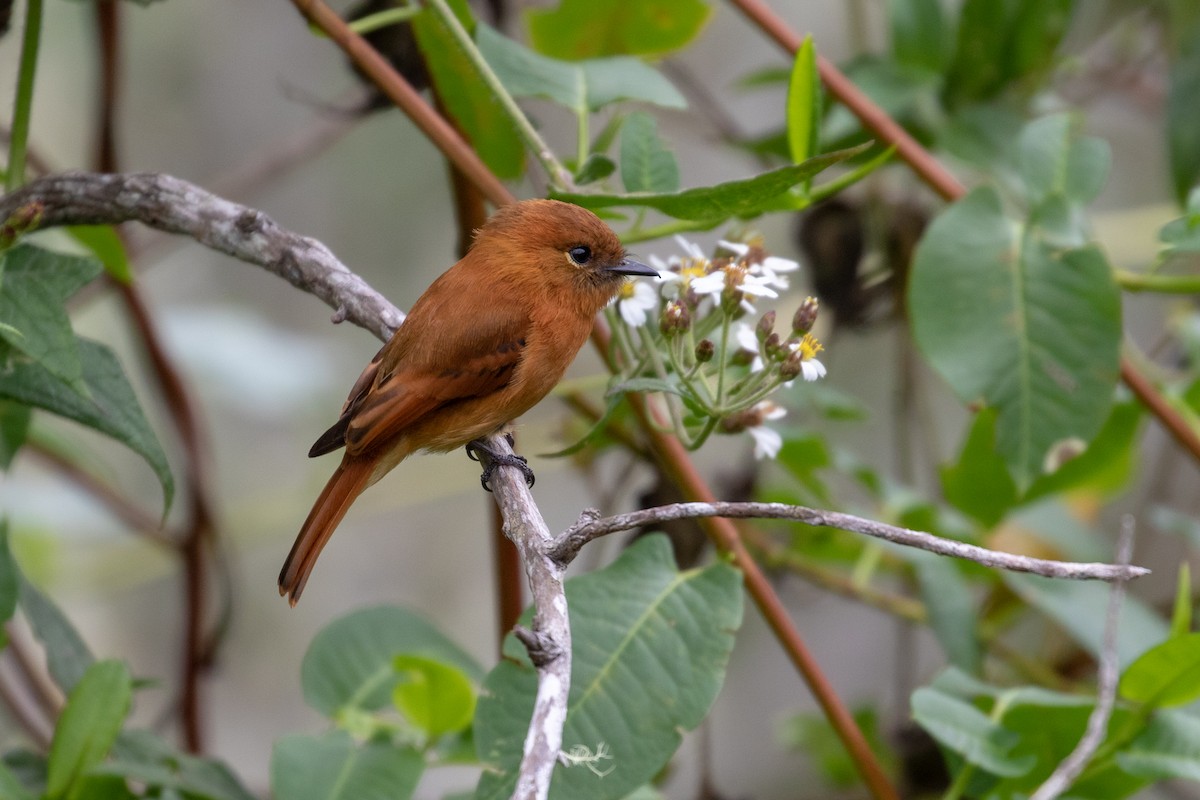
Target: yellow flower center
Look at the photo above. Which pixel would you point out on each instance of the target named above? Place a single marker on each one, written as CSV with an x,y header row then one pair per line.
x,y
693,269
809,347
626,291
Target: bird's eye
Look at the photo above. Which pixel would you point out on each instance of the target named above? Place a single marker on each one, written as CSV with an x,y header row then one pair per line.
x,y
580,254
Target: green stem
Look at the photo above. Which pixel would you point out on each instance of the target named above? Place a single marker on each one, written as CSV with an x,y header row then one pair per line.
x,y
723,354
23,103
372,22
640,234
1166,284
581,143
660,371
560,178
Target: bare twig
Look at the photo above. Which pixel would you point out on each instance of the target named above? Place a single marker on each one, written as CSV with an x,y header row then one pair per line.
x,y
1106,685
589,527
176,206
549,642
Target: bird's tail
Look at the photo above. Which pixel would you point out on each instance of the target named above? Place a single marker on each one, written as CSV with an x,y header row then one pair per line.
x,y
346,483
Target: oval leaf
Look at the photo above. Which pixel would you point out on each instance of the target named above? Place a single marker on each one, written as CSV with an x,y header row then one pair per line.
x,y
804,103
1166,675
1028,329
579,29
89,725
333,767
964,729
436,697
650,646
647,164
350,662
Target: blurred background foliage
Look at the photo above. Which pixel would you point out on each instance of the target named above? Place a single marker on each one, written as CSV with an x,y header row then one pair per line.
x,y
974,353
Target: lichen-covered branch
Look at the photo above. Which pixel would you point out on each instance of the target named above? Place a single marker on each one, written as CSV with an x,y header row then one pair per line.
x,y
176,206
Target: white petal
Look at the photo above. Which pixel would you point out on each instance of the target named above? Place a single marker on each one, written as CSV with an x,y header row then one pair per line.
x,y
745,336
633,314
757,289
644,295
712,283
766,441
772,410
812,369
690,248
777,264
736,248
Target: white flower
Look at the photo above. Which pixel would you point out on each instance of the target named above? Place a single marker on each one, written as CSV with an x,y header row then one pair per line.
x,y
634,301
710,285
767,441
812,369
691,249
769,271
807,348
747,339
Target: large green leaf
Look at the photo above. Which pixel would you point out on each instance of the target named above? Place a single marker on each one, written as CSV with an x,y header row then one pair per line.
x,y
650,646
434,696
10,787
350,663
742,198
1169,747
1078,607
88,726
110,406
1165,675
579,29
1008,320
466,97
920,33
952,610
964,729
647,164
580,86
1055,160
36,286
106,245
67,656
144,757
333,767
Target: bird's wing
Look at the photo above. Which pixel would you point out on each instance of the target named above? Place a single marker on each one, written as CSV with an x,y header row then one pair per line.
x,y
443,361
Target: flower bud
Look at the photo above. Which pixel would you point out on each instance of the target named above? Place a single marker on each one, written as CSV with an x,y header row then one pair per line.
x,y
772,348
743,358
806,316
675,319
765,325
705,350
790,368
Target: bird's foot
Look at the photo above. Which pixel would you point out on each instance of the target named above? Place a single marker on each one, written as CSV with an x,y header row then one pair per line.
x,y
477,447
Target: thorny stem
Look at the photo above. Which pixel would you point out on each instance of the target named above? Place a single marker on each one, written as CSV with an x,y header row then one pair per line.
x,y
23,99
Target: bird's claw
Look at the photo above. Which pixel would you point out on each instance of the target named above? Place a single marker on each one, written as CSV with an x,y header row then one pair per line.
x,y
474,449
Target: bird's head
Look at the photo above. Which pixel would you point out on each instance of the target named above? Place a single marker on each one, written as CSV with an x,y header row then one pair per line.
x,y
562,246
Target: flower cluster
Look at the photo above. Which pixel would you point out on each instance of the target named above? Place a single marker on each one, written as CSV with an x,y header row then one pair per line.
x,y
690,332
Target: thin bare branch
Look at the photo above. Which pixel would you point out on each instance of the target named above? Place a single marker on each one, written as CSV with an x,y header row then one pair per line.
x,y
176,206
1107,679
589,527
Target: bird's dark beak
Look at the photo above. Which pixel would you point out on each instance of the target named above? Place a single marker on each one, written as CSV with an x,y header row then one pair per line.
x,y
631,266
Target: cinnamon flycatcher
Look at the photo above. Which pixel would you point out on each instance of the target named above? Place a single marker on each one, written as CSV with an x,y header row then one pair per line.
x,y
484,343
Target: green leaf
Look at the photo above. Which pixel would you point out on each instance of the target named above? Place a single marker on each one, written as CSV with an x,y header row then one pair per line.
x,y
952,609
964,729
436,697
741,198
979,484
1054,159
1108,463
1183,117
466,97
1078,607
333,767
647,164
804,103
581,86
650,647
1032,330
105,245
921,35
579,29
14,428
110,406
10,787
1181,616
36,286
1165,675
10,582
350,662
597,167
67,656
1169,747
143,756
88,726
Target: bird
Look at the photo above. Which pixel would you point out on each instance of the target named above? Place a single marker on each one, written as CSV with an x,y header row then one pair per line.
x,y
485,342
